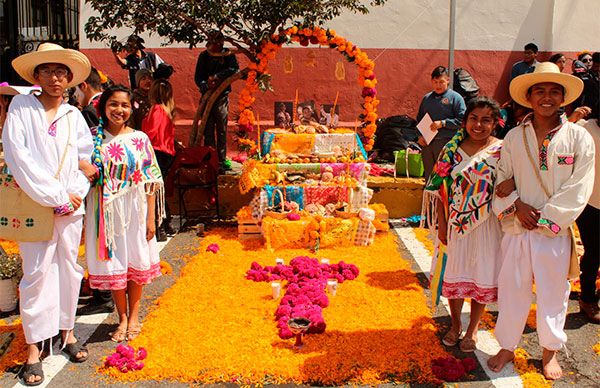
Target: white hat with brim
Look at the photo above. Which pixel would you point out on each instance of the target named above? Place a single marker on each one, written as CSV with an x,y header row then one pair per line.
x,y
545,72
76,61
11,90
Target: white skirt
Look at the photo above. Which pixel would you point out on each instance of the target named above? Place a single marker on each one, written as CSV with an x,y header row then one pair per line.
x,y
134,258
473,263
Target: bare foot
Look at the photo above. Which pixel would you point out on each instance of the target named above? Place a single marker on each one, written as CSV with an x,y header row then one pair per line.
x,y
498,362
552,370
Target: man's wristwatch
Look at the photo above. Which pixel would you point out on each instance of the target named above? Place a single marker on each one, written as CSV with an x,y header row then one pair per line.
x,y
443,123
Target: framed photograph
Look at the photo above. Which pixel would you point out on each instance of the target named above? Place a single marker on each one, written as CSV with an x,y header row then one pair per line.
x,y
306,112
283,113
327,118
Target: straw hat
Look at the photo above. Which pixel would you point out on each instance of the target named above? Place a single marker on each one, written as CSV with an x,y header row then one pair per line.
x,y
545,72
78,63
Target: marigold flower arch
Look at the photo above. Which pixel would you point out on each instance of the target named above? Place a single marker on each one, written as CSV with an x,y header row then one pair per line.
x,y
306,35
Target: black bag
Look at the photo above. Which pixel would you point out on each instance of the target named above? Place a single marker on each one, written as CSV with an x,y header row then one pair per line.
x,y
395,133
465,84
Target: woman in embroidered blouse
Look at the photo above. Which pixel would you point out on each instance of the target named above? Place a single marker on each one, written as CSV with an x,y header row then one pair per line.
x,y
462,186
121,250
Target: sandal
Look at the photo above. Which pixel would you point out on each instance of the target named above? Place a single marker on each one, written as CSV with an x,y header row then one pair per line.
x,y
133,332
30,370
468,345
451,338
73,349
118,335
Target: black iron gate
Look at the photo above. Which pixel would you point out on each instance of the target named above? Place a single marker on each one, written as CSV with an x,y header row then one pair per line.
x,y
24,24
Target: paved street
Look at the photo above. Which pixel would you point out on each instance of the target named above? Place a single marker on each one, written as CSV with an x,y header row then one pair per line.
x,y
581,364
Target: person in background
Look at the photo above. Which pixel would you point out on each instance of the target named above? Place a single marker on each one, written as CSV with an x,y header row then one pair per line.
x,y
559,60
588,224
591,86
214,65
137,58
585,57
160,128
140,103
87,94
530,52
446,109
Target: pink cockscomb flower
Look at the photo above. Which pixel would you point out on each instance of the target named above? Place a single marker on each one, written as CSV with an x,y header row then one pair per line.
x,y
214,248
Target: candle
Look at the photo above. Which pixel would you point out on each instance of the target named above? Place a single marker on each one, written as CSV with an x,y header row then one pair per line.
x,y
276,289
279,260
258,129
295,107
332,111
354,142
332,286
324,261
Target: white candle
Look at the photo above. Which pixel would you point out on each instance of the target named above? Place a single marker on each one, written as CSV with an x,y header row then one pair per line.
x,y
276,289
324,261
332,286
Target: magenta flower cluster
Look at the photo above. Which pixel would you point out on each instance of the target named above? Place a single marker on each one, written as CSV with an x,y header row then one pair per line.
x,y
452,369
126,358
214,248
305,292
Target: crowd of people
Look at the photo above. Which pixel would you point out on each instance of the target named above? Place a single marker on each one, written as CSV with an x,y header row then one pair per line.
x,y
505,185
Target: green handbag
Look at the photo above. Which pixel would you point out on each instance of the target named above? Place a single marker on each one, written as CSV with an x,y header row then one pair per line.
x,y
408,164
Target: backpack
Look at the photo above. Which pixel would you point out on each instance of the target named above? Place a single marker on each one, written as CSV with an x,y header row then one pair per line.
x,y
465,84
395,133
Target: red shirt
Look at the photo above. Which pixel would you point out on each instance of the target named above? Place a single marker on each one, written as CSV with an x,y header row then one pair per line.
x,y
160,129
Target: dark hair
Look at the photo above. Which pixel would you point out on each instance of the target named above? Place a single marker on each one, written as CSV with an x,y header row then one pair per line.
x,y
483,102
531,46
94,79
104,99
136,41
214,36
596,57
583,54
556,57
438,72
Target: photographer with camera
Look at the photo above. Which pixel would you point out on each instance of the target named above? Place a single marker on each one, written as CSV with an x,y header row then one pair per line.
x,y
136,58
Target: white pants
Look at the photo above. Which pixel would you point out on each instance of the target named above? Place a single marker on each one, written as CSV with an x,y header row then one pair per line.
x,y
51,281
526,257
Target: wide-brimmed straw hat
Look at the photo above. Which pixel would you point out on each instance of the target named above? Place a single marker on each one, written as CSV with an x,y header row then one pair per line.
x,y
545,72
76,61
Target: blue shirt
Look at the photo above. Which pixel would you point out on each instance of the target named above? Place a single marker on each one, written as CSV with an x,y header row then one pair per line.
x,y
448,106
521,67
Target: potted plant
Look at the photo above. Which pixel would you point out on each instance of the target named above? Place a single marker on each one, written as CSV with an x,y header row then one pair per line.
x,y
10,268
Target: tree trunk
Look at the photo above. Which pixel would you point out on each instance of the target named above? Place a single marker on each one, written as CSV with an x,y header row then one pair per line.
x,y
205,106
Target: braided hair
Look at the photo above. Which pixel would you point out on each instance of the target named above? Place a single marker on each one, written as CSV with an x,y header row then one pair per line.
x,y
99,137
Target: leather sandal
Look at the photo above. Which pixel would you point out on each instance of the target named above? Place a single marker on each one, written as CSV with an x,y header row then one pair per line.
x,y
451,338
468,345
118,335
30,370
133,332
73,349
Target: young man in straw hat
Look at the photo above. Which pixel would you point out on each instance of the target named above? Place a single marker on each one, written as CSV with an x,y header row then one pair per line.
x,y
44,135
552,163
